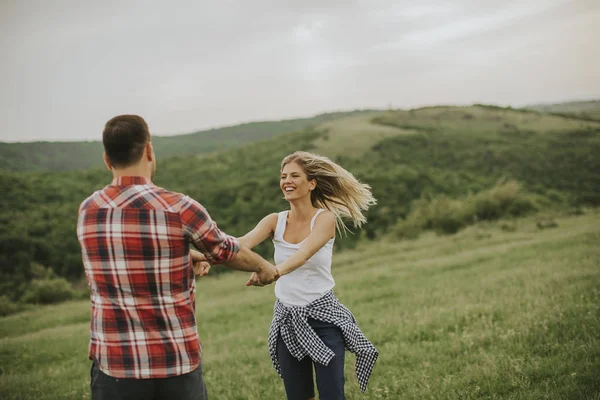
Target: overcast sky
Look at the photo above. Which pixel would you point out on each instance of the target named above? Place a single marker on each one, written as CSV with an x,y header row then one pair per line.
x,y
69,66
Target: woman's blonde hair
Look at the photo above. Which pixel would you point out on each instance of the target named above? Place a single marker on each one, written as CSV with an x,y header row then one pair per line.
x,y
337,190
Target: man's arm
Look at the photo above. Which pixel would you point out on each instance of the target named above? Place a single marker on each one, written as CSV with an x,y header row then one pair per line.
x,y
243,260
247,260
218,247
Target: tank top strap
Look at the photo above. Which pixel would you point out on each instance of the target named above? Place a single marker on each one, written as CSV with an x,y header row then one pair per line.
x,y
312,221
280,228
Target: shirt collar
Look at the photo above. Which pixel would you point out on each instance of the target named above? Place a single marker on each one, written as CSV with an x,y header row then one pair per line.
x,y
131,180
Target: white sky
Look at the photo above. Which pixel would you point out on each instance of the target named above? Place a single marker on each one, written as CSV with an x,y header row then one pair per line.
x,y
68,66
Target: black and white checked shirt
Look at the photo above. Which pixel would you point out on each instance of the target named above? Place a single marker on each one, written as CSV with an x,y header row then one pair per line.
x,y
302,340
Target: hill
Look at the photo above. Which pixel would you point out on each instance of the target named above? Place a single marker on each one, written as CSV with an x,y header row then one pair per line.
x,y
485,314
66,156
408,157
589,110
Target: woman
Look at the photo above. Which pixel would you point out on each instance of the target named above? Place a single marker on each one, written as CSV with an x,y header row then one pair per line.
x,y
310,326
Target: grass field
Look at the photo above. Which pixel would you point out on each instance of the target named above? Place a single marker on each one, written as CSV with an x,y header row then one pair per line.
x,y
353,136
498,311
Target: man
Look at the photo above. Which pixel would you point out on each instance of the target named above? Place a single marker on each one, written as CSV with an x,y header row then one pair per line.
x,y
135,241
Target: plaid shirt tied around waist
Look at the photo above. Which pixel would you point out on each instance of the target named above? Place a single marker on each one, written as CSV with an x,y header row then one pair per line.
x,y
134,239
301,340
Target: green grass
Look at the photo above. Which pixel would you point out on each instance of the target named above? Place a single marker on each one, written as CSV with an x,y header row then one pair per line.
x,y
483,314
353,136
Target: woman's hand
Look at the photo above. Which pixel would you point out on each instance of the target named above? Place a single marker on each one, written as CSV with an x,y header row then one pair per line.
x,y
200,265
254,281
201,268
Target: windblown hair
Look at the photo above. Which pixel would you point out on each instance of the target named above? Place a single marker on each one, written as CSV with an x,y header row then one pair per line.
x,y
337,190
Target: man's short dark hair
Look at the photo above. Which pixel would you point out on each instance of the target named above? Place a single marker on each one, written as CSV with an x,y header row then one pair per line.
x,y
124,139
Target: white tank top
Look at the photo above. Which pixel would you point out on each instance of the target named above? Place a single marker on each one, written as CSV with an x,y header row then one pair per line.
x,y
309,281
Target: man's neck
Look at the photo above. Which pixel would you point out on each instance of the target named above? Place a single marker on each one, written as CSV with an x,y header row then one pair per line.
x,y
131,171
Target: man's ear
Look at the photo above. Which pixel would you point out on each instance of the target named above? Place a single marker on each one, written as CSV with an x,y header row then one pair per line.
x,y
149,151
107,162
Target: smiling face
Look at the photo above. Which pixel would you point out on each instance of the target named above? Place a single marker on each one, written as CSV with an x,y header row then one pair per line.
x,y
294,182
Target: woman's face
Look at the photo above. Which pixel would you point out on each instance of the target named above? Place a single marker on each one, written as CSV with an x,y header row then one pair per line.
x,y
294,182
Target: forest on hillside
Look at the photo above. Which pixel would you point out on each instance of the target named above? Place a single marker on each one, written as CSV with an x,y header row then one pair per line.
x,y
446,152
69,156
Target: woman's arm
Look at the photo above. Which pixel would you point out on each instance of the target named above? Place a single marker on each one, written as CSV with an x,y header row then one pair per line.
x,y
323,230
263,230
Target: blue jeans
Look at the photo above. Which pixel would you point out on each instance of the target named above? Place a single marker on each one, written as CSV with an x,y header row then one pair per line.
x,y
298,375
183,387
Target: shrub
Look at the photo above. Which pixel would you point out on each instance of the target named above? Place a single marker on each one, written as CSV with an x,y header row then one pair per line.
x,y
546,223
504,199
46,291
407,231
442,215
447,216
8,307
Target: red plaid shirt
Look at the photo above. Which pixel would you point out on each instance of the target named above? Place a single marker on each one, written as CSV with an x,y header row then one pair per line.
x,y
134,240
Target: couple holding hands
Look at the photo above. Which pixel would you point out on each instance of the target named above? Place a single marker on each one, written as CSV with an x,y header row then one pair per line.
x,y
135,240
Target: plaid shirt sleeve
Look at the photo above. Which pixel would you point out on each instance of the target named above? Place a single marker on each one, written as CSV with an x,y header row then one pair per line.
x,y
217,246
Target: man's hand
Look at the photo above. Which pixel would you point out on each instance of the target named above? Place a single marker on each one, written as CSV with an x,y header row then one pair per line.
x,y
267,275
200,265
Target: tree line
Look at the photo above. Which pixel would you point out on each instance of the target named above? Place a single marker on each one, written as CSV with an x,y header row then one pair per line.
x,y
454,152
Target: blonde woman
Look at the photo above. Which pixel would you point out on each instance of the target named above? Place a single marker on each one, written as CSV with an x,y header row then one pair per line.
x,y
310,326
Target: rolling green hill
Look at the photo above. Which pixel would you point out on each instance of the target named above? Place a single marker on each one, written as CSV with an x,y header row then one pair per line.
x,y
65,156
589,110
408,157
484,314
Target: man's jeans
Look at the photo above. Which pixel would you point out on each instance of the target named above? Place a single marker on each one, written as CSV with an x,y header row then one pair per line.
x,y
183,387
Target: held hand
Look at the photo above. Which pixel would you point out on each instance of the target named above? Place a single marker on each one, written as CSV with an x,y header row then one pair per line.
x,y
197,256
254,281
201,268
200,265
268,274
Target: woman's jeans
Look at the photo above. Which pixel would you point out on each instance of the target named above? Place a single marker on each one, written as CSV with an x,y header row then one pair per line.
x,y
298,375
